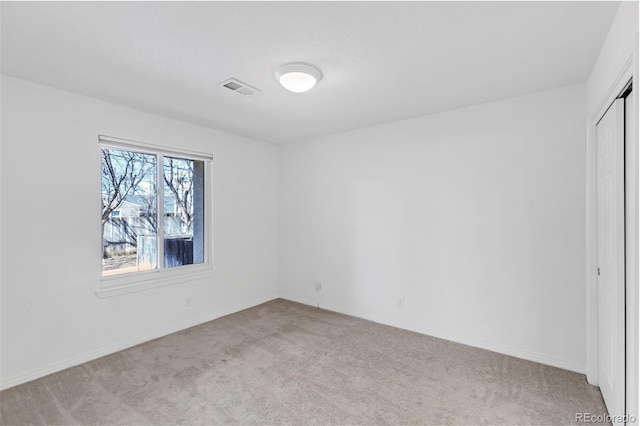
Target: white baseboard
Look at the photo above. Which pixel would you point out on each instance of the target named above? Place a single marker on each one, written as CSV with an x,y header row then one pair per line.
x,y
107,350
502,349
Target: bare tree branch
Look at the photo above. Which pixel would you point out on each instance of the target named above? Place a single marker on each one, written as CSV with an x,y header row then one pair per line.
x,y
178,178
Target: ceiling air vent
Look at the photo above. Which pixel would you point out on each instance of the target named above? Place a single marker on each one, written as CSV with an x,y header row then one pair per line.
x,y
239,87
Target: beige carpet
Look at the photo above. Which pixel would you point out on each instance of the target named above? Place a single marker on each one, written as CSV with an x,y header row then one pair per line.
x,y
286,363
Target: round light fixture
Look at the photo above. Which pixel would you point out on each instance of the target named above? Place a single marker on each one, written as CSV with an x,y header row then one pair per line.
x,y
298,77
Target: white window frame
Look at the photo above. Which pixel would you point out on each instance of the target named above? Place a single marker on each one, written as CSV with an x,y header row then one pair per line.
x,y
113,285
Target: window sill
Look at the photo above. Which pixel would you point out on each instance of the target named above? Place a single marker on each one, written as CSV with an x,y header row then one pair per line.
x,y
119,285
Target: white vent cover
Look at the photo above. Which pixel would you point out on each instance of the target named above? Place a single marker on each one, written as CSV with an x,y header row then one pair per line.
x,y
239,87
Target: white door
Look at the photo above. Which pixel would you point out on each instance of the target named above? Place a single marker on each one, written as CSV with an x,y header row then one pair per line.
x,y
631,297
610,237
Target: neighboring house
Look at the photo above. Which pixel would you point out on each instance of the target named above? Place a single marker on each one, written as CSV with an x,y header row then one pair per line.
x,y
127,209
133,218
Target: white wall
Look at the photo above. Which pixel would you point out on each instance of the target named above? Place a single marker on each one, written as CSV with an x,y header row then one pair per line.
x,y
51,317
612,70
476,217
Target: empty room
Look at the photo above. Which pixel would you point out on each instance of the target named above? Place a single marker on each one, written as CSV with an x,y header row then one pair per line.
x,y
319,213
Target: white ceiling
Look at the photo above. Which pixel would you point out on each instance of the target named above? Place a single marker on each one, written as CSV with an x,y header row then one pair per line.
x,y
382,61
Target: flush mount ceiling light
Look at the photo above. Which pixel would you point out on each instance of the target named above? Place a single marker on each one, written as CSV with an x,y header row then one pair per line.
x,y
298,77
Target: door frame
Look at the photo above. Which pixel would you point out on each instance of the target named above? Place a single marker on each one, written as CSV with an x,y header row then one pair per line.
x,y
629,72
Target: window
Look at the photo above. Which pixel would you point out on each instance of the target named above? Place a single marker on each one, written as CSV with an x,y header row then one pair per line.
x,y
154,209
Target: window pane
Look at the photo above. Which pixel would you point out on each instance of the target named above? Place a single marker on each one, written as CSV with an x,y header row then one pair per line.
x,y
183,212
129,188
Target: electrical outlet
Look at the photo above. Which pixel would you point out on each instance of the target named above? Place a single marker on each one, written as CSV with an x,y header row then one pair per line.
x,y
318,285
187,302
400,302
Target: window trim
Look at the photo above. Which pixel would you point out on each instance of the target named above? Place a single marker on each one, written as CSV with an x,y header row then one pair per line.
x,y
113,285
